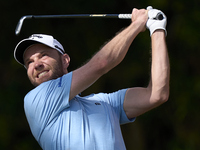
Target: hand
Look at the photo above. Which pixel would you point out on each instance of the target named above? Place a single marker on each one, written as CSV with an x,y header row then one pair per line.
x,y
139,17
154,24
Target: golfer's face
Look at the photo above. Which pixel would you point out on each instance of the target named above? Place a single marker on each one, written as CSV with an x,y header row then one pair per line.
x,y
43,63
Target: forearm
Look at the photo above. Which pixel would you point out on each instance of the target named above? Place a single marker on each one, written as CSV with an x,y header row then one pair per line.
x,y
109,56
160,70
104,60
115,50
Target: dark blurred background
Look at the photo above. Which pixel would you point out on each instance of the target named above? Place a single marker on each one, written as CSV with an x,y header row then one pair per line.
x,y
173,126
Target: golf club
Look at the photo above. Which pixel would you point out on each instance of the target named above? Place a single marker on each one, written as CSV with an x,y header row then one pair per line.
x,y
119,16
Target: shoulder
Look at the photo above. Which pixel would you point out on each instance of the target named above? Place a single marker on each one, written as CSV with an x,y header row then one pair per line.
x,y
53,83
54,87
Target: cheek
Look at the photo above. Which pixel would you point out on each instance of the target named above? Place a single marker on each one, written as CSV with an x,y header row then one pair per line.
x,y
29,73
57,68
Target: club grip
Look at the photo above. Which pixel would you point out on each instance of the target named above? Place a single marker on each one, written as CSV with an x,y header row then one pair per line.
x,y
159,16
124,16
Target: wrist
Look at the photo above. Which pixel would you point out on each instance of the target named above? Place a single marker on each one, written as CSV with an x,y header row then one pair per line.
x,y
138,26
159,33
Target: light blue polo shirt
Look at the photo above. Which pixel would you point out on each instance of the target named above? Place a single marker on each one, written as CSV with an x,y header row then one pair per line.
x,y
83,123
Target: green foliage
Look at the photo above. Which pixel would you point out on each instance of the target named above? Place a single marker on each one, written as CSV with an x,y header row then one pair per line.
x,y
174,125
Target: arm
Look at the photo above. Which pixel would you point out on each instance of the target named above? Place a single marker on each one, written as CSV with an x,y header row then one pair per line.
x,y
140,100
109,56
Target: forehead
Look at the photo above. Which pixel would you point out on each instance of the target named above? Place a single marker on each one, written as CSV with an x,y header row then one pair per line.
x,y
37,48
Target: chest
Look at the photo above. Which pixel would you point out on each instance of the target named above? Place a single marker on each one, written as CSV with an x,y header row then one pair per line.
x,y
93,113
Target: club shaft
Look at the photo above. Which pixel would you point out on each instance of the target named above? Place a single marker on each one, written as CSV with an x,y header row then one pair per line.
x,y
20,23
81,16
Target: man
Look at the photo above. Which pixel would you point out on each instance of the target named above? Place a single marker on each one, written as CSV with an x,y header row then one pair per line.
x,y
60,119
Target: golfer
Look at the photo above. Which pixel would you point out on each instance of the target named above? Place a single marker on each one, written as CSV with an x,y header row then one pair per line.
x,y
60,119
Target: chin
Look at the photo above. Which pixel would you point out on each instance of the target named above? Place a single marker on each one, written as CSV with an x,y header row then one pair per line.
x,y
47,78
36,83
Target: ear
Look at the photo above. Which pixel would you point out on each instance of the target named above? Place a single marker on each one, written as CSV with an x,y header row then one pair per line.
x,y
65,62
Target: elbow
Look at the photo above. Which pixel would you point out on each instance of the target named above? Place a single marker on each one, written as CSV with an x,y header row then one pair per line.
x,y
159,94
103,67
161,97
164,97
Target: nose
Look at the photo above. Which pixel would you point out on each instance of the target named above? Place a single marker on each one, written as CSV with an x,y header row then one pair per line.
x,y
38,65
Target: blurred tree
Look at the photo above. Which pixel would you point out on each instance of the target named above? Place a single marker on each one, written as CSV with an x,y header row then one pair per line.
x,y
174,125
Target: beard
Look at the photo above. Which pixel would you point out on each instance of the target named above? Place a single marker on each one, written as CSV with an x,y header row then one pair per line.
x,y
57,71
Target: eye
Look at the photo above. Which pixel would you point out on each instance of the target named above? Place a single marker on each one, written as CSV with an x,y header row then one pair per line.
x,y
29,62
44,54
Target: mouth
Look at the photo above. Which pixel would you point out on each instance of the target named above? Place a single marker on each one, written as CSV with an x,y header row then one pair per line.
x,y
41,74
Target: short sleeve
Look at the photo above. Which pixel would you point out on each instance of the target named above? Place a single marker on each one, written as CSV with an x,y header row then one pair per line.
x,y
116,100
46,101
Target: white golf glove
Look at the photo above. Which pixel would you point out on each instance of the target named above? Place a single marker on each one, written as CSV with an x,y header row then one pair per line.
x,y
153,23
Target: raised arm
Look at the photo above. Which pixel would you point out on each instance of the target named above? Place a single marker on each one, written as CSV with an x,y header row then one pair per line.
x,y
140,100
109,56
